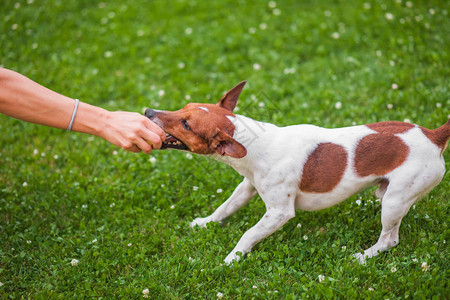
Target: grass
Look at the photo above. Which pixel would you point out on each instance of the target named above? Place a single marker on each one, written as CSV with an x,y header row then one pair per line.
x,y
125,218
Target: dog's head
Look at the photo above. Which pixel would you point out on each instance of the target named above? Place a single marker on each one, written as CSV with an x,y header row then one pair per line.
x,y
202,128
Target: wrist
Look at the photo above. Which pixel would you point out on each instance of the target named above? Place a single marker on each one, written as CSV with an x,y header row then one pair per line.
x,y
90,119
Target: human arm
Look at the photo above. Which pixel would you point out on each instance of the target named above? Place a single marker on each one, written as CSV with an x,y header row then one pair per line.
x,y
24,99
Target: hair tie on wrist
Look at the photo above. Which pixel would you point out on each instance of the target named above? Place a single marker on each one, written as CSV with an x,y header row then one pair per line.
x,y
73,115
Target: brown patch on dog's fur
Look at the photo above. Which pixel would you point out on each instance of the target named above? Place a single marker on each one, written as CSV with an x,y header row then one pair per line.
x,y
324,168
379,154
392,127
438,136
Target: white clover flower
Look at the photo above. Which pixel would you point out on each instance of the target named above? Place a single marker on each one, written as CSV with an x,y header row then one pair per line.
x,y
378,53
172,207
407,120
389,16
390,106
43,154
289,71
161,93
415,260
321,278
305,237
335,35
393,269
344,247
327,13
115,152
438,105
367,5
25,184
84,206
431,11
425,266
74,262
152,159
252,30
392,63
35,151
263,26
256,67
338,105
108,54
34,45
187,97
94,241
188,156
55,156
145,292
181,65
130,244
358,202
261,104
14,26
394,86
188,30
219,295
299,225
272,4
195,188
219,191
370,289
254,287
276,12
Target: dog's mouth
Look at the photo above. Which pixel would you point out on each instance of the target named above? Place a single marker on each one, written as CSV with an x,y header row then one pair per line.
x,y
172,142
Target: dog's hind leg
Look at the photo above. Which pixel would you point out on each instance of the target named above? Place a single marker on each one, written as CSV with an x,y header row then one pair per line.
x,y
396,203
241,196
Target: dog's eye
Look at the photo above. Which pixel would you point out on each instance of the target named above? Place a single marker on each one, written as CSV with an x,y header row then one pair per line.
x,y
185,125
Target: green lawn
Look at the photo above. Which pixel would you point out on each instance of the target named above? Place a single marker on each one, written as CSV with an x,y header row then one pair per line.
x,y
125,216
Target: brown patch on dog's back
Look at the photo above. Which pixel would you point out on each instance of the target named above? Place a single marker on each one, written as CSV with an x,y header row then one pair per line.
x,y
392,127
379,154
324,168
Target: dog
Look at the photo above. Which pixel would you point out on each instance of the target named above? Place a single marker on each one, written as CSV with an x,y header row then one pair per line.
x,y
307,167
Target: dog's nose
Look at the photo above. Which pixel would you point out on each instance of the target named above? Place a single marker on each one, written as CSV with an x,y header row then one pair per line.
x,y
150,113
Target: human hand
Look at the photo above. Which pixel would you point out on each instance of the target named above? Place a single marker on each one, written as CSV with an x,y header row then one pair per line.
x,y
132,132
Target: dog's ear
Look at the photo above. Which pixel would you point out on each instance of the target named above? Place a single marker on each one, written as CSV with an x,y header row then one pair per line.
x,y
230,99
225,145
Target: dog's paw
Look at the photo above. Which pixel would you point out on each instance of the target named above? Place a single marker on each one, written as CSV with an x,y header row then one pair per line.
x,y
200,222
232,257
360,258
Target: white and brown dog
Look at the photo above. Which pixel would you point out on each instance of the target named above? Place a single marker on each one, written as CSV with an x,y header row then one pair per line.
x,y
308,167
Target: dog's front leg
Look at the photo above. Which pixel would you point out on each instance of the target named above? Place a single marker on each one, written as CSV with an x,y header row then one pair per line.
x,y
280,209
241,196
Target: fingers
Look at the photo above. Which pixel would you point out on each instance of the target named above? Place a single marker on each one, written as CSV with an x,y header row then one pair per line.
x,y
155,129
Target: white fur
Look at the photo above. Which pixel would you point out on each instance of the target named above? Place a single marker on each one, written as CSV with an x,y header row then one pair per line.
x,y
273,168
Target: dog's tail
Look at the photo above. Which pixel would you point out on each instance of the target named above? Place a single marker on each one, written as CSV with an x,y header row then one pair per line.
x,y
439,136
